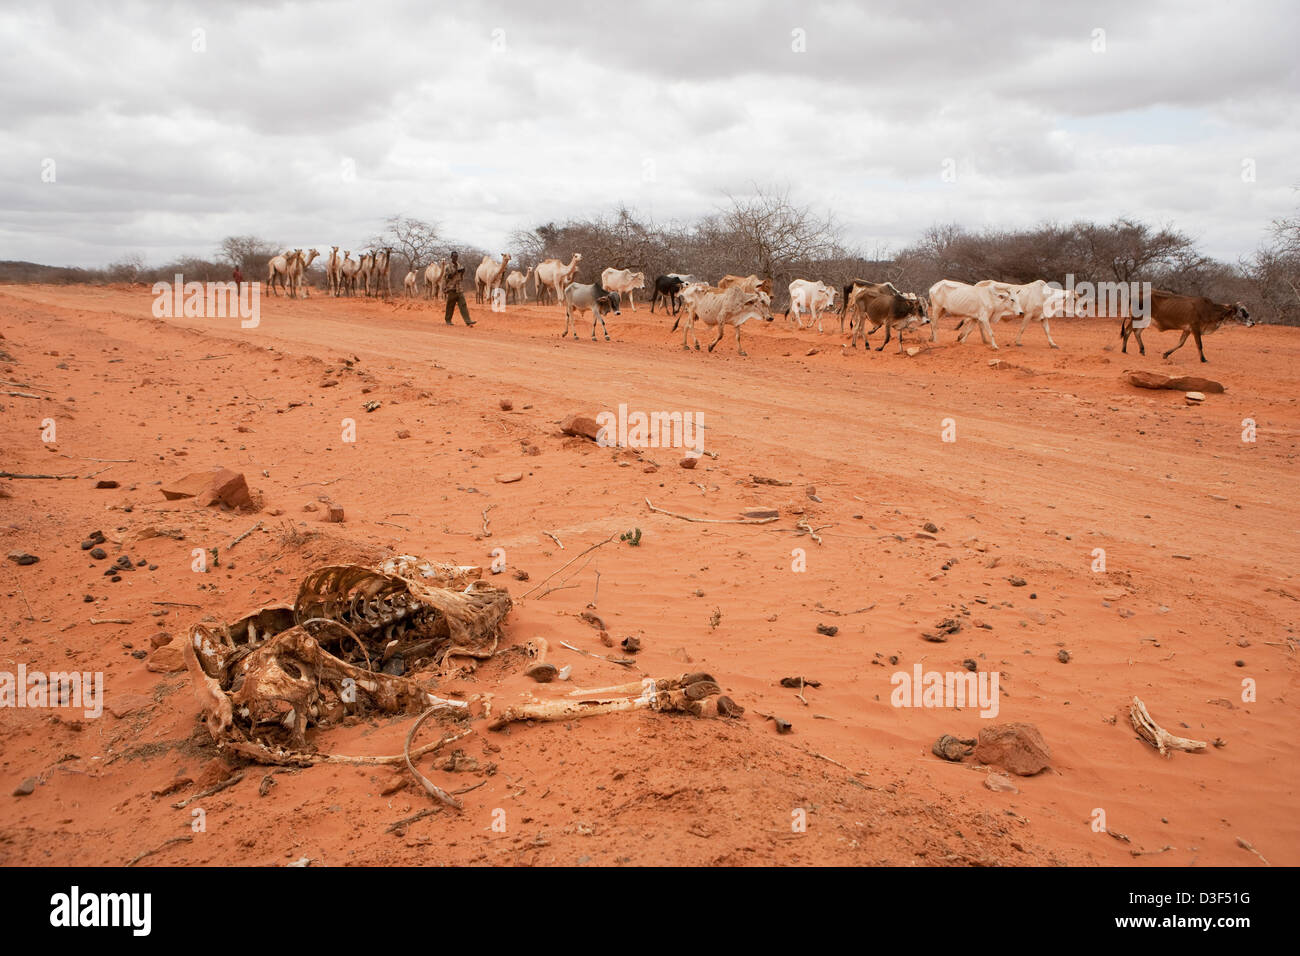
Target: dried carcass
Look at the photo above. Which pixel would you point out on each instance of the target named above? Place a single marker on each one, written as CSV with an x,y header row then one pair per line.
x,y
343,648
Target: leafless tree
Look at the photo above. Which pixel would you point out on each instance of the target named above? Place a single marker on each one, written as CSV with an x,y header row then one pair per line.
x,y
768,234
417,242
249,253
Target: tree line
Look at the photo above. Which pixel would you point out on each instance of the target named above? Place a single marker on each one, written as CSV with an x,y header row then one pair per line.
x,y
769,234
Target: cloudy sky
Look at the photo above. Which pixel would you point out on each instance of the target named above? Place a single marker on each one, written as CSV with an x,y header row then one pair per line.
x,y
160,128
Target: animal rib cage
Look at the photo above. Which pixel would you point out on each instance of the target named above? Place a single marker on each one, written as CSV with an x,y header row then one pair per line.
x,y
343,648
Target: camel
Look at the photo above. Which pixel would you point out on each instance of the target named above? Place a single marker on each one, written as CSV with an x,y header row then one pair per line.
x,y
489,276
553,275
366,271
278,267
381,271
333,271
348,270
433,279
409,284
298,270
517,285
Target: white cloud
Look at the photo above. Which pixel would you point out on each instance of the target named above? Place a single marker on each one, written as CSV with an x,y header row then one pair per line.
x,y
664,106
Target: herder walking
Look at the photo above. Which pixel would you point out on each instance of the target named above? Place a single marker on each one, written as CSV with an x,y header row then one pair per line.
x,y
453,280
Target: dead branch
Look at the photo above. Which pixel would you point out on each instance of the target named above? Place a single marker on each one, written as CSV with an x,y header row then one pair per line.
x,y
162,846
31,615
620,661
674,514
802,527
111,620
486,532
760,480
22,395
555,539
12,474
598,544
216,788
428,785
827,610
243,536
399,826
1156,735
831,760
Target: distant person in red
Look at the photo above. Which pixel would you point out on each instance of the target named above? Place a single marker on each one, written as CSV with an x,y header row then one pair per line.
x,y
239,278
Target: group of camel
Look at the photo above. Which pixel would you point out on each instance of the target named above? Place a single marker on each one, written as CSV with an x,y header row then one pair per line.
x,y
370,273
343,273
288,270
549,278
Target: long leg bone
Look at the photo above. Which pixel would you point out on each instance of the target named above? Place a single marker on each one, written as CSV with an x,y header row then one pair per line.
x,y
677,698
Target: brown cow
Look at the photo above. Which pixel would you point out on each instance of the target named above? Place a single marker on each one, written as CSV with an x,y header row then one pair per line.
x,y
1195,315
884,305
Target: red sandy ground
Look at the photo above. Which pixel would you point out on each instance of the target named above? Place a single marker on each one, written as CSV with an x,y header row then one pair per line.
x,y
1053,458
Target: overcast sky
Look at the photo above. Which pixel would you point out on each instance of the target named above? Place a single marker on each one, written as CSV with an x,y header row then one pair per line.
x,y
165,127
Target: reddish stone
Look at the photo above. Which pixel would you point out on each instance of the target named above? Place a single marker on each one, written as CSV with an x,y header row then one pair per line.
x,y
1017,747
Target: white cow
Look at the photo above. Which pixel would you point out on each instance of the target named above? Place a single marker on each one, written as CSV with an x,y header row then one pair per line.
x,y
973,305
722,307
1039,301
810,297
624,282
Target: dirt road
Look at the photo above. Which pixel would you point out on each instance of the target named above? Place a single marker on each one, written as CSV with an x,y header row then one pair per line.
x,y
1054,466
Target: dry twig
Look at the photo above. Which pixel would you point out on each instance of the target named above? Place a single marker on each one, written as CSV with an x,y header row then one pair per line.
x,y
674,514
598,544
162,846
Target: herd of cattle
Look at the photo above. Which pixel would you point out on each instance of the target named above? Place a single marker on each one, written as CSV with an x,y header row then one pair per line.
x,y
737,299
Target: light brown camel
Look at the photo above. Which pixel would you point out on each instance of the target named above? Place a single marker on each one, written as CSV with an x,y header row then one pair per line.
x,y
517,285
488,276
278,267
433,279
333,271
553,275
348,269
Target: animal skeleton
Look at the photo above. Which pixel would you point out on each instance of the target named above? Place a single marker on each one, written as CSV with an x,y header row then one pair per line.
x,y
342,648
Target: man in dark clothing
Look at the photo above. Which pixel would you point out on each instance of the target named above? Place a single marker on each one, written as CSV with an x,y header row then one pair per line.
x,y
239,278
453,281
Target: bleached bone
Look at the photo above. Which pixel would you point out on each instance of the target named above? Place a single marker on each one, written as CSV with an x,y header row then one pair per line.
x,y
539,669
676,698
664,683
1156,735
